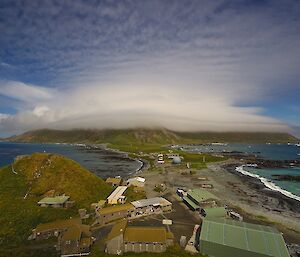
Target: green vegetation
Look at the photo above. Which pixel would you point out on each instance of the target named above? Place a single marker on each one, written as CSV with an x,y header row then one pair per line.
x,y
19,216
146,139
48,172
133,195
199,161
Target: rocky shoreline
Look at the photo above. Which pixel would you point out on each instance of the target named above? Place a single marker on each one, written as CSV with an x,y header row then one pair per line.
x,y
256,184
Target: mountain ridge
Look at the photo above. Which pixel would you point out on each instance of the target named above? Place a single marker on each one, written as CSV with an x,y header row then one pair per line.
x,y
148,136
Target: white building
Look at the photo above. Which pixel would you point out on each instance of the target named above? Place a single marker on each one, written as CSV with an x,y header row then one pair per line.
x,y
117,195
137,182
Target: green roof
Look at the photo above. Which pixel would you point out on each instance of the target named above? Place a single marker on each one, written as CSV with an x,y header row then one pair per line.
x,y
258,239
217,212
190,203
201,195
54,200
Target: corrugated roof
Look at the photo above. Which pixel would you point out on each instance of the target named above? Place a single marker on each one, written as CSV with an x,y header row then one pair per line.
x,y
190,202
74,232
117,193
54,200
139,179
117,229
217,212
58,224
201,195
145,234
151,201
116,208
114,180
250,237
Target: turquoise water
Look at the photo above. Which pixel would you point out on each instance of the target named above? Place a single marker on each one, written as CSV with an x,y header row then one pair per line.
x,y
293,187
266,151
99,161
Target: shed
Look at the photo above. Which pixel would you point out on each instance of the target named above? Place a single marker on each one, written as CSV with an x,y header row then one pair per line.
x,y
56,201
227,238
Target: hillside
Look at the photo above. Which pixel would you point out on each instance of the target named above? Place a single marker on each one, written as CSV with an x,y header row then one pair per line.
x,y
19,215
45,172
148,137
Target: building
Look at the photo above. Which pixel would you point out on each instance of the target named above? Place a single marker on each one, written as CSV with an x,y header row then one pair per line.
x,y
115,239
227,238
76,241
197,198
176,160
216,212
50,229
136,182
123,238
114,181
160,159
74,238
117,196
112,213
56,201
151,206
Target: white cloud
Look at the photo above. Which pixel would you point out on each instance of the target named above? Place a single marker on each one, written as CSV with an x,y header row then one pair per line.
x,y
24,92
152,64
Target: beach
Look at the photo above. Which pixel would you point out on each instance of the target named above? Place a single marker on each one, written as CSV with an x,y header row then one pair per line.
x,y
248,196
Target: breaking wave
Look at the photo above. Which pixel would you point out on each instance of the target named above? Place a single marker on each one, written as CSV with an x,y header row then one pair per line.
x,y
267,183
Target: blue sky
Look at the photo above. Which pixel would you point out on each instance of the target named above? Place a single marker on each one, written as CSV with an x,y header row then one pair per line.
x,y
183,65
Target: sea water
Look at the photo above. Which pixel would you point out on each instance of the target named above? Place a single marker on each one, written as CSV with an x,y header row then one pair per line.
x,y
102,162
265,175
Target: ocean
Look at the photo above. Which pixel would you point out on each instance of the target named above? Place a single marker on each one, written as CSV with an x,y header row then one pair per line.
x,y
103,163
266,151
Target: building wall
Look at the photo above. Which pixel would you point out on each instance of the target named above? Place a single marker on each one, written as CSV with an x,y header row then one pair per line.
x,y
47,233
115,245
69,247
167,208
144,247
106,218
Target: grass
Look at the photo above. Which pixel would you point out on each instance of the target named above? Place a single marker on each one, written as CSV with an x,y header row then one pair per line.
x,y
62,175
134,196
19,216
141,136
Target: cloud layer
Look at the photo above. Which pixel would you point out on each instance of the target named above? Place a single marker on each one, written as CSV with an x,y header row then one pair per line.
x,y
197,65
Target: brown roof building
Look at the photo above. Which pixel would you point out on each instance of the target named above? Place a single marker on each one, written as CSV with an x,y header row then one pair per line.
x,y
109,214
74,238
137,239
114,181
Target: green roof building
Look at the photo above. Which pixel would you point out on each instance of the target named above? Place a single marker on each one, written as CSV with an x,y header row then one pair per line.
x,y
197,198
228,238
216,212
57,201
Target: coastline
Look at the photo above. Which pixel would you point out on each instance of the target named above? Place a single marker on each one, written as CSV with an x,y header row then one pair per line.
x,y
268,184
243,194
257,202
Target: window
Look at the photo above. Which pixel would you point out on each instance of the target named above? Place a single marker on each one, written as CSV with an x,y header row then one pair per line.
x,y
68,242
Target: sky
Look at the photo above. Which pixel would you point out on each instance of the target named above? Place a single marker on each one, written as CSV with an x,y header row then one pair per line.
x,y
184,65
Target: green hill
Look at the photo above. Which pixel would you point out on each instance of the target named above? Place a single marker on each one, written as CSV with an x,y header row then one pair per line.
x,y
45,172
19,216
148,137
